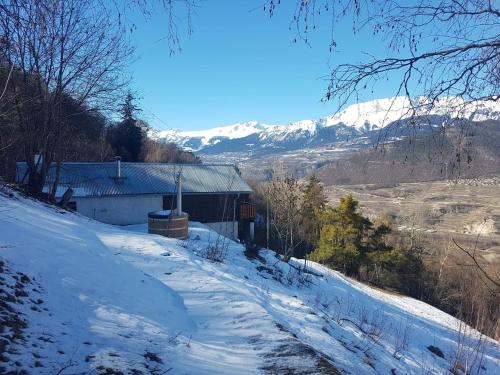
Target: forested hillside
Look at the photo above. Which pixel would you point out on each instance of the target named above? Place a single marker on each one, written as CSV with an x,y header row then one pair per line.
x,y
78,132
461,152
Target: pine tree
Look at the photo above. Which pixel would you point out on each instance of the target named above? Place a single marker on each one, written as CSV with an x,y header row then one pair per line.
x,y
342,239
126,137
350,243
128,108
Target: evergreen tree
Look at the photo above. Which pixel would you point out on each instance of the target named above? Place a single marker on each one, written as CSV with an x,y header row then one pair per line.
x,y
343,237
126,137
351,243
128,108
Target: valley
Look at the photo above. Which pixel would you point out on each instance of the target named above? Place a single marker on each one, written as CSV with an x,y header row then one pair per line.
x,y
436,212
439,183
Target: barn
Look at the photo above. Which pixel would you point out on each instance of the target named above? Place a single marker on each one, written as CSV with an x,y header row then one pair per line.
x,y
123,193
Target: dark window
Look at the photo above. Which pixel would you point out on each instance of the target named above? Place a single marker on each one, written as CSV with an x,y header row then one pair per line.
x,y
207,208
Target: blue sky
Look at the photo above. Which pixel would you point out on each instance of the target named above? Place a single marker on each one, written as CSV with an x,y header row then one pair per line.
x,y
240,65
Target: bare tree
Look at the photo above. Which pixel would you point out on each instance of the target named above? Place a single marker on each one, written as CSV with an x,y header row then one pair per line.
x,y
442,56
6,84
7,134
488,277
58,48
439,48
284,195
178,15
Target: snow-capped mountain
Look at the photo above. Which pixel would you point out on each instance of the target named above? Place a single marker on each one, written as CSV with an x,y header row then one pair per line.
x,y
356,126
197,140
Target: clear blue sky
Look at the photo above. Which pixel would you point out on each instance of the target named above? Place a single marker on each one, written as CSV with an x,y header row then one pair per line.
x,y
240,65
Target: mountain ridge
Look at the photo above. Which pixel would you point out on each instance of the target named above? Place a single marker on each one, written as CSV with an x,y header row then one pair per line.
x,y
358,123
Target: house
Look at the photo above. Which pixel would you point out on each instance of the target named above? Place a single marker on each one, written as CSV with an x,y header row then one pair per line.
x,y
124,193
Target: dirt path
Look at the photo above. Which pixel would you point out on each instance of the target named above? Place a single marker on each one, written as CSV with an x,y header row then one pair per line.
x,y
232,327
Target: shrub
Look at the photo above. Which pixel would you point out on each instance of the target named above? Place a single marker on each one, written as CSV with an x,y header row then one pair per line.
x,y
215,252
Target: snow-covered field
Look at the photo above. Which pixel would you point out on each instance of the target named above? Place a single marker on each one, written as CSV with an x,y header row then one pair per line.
x,y
98,298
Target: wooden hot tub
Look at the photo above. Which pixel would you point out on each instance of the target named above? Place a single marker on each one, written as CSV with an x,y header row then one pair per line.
x,y
167,223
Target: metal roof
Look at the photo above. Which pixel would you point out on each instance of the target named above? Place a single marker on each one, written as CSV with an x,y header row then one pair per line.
x,y
98,179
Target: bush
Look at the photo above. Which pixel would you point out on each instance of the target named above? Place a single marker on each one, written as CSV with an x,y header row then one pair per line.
x,y
396,268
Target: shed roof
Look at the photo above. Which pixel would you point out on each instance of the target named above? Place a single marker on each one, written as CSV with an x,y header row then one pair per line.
x,y
98,179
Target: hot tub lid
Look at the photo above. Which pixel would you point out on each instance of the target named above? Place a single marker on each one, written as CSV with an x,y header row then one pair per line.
x,y
164,214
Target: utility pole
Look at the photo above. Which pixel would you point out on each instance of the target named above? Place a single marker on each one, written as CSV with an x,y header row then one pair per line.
x,y
179,195
267,218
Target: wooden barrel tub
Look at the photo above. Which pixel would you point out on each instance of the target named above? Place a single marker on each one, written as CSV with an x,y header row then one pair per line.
x,y
168,225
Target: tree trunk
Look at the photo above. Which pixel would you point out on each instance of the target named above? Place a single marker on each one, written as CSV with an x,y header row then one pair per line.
x,y
56,181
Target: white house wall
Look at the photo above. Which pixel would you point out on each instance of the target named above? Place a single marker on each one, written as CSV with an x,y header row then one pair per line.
x,y
134,209
119,210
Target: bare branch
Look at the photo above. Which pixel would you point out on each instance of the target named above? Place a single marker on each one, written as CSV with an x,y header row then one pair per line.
x,y
461,38
472,256
7,82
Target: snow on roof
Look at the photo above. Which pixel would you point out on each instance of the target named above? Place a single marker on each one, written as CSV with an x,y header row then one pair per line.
x,y
98,179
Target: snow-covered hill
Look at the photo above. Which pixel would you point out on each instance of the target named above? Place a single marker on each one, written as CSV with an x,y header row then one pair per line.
x,y
358,125
81,297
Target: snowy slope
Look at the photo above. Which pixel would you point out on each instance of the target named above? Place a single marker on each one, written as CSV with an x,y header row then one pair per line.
x,y
357,119
119,298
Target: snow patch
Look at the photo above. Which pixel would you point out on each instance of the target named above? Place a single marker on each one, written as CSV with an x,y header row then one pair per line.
x,y
484,227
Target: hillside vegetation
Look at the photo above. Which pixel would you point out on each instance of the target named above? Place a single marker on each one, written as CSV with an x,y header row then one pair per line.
x,y
461,152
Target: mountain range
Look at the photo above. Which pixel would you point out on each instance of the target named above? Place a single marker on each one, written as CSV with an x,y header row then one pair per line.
x,y
315,146
358,126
